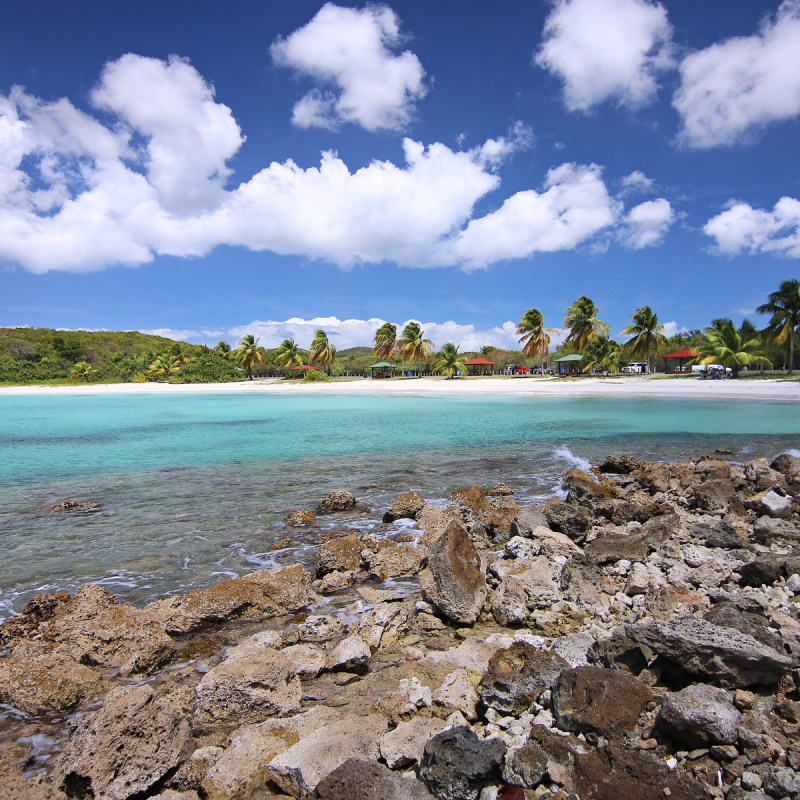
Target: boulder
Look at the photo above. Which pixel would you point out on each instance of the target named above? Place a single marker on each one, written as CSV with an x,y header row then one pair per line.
x,y
298,770
586,490
95,629
454,580
409,697
405,506
699,716
262,594
456,694
714,494
698,647
598,700
337,501
776,505
765,571
299,518
572,520
252,683
49,684
456,764
15,786
404,745
768,529
41,608
319,628
306,659
720,533
499,490
534,583
127,747
366,780
619,465
527,520
612,548
789,467
492,516
392,559
517,676
339,553
351,654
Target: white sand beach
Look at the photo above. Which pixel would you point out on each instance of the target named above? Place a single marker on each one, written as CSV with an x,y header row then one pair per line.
x,y
648,386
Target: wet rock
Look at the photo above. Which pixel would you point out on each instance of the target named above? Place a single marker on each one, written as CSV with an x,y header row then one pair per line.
x,y
699,716
127,747
597,700
41,608
494,516
586,490
339,553
404,745
405,506
337,501
300,518
49,684
572,520
456,764
393,559
351,654
75,507
252,683
700,648
619,465
499,490
517,676
15,786
454,580
262,594
366,780
298,770
95,629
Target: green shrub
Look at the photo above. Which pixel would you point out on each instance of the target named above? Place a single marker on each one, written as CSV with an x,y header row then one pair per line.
x,y
209,368
315,376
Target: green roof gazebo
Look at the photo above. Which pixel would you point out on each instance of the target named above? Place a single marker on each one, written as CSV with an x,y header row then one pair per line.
x,y
384,367
479,366
570,365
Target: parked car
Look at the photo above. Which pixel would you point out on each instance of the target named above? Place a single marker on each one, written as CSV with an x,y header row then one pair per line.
x,y
635,368
540,371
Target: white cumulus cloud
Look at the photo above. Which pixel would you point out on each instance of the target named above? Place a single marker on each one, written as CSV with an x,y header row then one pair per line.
x,y
647,224
351,54
606,50
637,182
744,229
736,87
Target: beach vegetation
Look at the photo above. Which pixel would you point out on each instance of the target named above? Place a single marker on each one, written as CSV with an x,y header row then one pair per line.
x,y
413,345
727,346
581,320
222,349
315,376
322,352
83,371
289,355
783,306
534,337
385,342
603,355
647,333
248,354
164,366
449,362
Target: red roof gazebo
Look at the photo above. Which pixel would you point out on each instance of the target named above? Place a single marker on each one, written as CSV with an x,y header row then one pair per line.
x,y
474,364
680,356
301,369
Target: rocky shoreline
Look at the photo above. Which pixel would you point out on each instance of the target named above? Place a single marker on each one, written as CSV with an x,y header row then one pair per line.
x,y
638,639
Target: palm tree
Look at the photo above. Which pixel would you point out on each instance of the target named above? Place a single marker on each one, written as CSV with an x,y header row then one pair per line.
x,y
165,366
322,352
83,370
413,344
725,345
385,345
248,354
289,354
646,331
449,361
784,307
603,354
222,349
581,320
534,337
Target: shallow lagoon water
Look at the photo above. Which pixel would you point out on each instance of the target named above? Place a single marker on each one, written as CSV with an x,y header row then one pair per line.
x,y
194,488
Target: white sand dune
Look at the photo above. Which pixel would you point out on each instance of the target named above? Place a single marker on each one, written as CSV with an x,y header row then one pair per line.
x,y
522,386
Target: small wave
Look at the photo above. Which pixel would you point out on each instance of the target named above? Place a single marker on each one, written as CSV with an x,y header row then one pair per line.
x,y
567,455
791,452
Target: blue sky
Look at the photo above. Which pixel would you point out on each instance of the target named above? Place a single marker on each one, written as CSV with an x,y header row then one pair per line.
x,y
208,169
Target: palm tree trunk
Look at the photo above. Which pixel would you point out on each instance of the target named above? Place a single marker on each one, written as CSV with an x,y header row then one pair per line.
x,y
791,351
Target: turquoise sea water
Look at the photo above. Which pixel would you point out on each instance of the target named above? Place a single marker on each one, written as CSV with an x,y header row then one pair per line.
x,y
194,488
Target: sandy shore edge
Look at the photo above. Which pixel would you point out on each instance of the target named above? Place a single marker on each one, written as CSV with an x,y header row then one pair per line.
x,y
497,387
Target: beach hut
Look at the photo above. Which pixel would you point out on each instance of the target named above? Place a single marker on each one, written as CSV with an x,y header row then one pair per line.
x,y
681,356
301,370
570,365
479,366
383,369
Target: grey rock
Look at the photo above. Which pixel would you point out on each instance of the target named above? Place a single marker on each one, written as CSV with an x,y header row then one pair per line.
x,y
456,764
351,654
699,716
366,780
454,580
572,520
404,745
698,647
776,505
456,694
768,529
